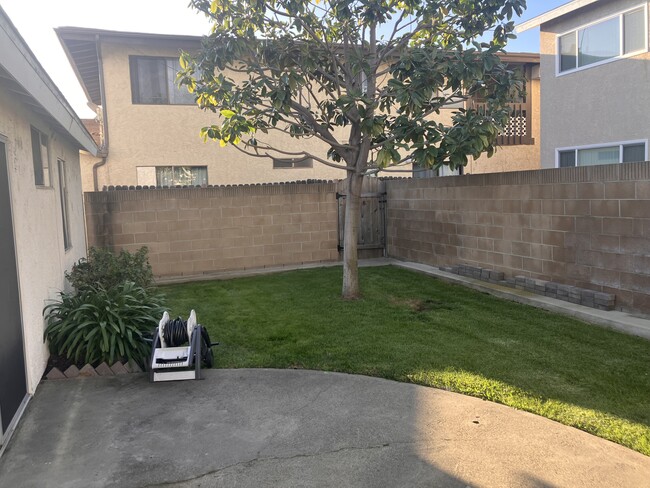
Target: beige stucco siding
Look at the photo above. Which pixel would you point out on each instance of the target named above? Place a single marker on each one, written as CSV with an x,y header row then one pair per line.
x,y
519,157
597,105
167,135
87,161
143,136
38,229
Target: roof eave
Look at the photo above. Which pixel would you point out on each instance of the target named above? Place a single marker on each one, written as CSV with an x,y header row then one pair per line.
x,y
524,58
75,67
552,15
19,61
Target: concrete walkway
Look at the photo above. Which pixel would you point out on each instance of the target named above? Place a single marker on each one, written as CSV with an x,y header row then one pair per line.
x,y
290,428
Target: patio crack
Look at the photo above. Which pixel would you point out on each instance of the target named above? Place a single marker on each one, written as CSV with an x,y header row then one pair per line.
x,y
256,460
311,402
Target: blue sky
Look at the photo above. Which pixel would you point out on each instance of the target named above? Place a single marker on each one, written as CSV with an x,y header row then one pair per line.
x,y
529,41
36,19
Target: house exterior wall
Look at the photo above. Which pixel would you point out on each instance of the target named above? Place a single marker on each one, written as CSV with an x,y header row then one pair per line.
x,y
38,229
519,157
87,161
597,105
168,135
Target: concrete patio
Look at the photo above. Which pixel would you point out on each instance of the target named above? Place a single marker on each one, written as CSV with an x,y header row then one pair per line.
x,y
252,428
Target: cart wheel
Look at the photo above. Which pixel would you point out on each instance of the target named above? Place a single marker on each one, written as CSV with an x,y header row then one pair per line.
x,y
206,350
209,359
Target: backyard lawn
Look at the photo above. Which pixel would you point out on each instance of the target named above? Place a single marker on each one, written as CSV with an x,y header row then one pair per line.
x,y
413,328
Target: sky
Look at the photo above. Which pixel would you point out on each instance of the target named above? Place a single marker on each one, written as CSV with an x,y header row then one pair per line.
x,y
36,20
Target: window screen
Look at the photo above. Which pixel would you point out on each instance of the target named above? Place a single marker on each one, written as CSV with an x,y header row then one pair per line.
x,y
598,42
153,81
567,159
63,195
634,29
568,52
611,38
633,153
177,95
620,153
601,155
40,158
293,163
181,175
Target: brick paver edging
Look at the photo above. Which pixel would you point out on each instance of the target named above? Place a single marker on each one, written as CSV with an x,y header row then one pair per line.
x,y
87,371
573,294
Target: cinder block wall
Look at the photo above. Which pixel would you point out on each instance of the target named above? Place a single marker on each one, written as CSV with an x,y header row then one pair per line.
x,y
587,226
190,231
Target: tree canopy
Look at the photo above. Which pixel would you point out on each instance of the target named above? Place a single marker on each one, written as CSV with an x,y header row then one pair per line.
x,y
365,78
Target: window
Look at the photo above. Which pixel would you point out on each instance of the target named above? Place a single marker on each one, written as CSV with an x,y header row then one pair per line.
x,y
153,81
593,155
181,175
615,37
420,171
293,163
456,99
63,193
41,158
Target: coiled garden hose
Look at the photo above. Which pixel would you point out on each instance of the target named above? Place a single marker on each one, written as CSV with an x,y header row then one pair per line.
x,y
175,332
175,335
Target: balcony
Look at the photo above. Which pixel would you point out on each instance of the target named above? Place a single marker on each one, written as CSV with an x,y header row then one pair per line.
x,y
518,132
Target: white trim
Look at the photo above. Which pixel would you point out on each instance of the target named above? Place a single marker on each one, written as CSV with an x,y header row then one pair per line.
x,y
19,61
5,437
620,144
621,41
552,15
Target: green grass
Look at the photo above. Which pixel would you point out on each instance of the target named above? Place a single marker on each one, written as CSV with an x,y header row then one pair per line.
x,y
409,327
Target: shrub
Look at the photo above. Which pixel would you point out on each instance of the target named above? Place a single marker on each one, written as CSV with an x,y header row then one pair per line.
x,y
98,324
105,269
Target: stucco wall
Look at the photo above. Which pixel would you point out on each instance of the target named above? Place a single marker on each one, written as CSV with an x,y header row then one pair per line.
x,y
167,135
597,105
519,157
87,161
38,229
164,135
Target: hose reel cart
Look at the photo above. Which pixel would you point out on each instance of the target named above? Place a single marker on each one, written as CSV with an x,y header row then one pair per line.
x,y
179,349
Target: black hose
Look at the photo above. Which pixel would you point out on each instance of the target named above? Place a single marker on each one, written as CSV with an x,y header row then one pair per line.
x,y
175,333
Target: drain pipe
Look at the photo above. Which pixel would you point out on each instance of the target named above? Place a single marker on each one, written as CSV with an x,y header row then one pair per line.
x,y
96,166
103,150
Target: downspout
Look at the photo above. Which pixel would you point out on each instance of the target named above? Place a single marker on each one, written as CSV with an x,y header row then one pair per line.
x,y
103,150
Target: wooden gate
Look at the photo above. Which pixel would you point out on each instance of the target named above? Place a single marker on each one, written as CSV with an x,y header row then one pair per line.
x,y
372,226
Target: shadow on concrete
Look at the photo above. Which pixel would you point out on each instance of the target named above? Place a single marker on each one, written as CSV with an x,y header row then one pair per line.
x,y
237,428
254,428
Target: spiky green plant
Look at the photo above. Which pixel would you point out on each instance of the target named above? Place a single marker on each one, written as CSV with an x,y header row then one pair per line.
x,y
98,324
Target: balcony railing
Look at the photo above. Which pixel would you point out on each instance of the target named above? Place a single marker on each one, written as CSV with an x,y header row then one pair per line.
x,y
518,131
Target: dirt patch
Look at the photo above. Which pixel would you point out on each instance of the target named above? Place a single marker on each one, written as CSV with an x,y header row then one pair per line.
x,y
62,363
419,306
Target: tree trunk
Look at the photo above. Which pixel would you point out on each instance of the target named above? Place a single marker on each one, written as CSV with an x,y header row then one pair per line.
x,y
354,184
